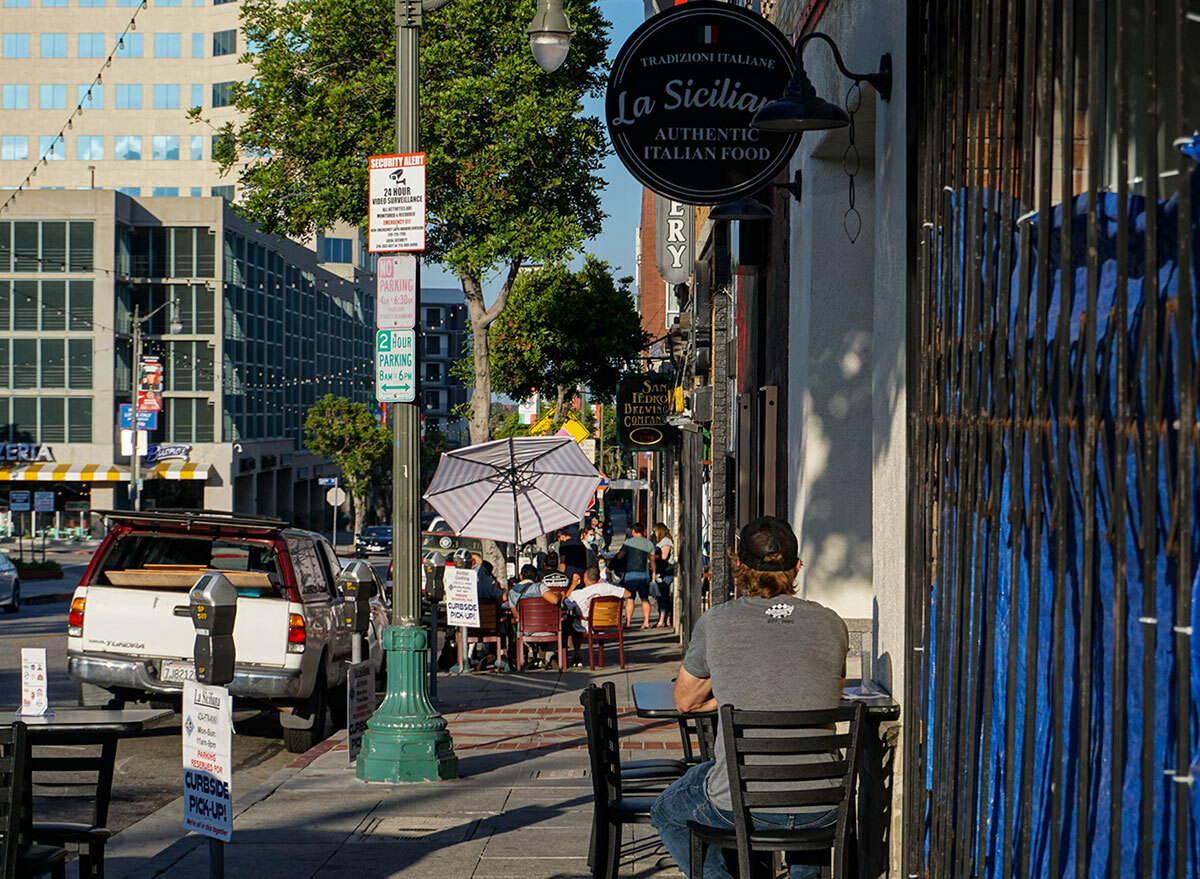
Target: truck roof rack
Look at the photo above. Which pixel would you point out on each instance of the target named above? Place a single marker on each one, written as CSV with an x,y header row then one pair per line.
x,y
196,517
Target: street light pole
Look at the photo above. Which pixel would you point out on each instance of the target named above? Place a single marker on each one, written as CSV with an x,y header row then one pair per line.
x,y
135,458
406,738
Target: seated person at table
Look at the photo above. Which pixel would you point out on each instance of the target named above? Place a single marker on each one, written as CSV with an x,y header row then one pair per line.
x,y
527,587
579,601
767,650
531,587
552,576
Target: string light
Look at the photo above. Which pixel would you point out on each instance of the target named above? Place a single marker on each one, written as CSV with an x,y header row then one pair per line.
x,y
131,25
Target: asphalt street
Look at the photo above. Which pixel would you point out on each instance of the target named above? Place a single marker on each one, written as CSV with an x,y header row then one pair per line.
x,y
149,773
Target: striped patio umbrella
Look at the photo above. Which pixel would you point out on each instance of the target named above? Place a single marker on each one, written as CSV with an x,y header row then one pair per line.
x,y
513,489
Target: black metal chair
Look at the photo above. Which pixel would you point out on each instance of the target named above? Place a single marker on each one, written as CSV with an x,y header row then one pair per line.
x,y
612,808
86,772
19,859
770,757
644,775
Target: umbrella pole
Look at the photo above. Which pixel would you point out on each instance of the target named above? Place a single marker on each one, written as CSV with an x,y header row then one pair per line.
x,y
406,738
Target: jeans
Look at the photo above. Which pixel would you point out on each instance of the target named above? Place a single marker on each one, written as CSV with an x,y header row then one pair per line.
x,y
685,800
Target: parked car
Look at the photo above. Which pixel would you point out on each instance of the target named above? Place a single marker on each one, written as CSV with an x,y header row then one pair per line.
x,y
10,585
130,634
375,539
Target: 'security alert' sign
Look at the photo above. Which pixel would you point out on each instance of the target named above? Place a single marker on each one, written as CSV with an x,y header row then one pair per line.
x,y
396,191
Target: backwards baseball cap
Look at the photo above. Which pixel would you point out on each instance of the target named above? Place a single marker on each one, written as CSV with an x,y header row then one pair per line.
x,y
768,544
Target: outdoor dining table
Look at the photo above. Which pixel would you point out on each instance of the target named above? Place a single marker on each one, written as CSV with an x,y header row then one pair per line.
x,y
85,726
657,699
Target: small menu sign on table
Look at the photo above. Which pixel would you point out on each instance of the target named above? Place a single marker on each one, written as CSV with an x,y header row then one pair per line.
x,y
34,701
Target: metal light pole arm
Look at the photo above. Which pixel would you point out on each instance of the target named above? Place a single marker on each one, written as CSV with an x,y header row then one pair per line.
x,y
881,81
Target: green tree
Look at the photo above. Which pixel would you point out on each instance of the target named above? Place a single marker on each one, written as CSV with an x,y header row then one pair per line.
x,y
352,438
563,330
511,162
510,427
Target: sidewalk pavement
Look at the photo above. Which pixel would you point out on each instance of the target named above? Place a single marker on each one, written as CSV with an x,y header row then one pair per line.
x,y
521,807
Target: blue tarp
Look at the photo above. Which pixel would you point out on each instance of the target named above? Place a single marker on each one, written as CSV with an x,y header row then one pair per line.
x,y
1111,774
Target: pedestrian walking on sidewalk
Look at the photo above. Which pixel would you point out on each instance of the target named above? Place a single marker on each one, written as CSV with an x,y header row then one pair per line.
x,y
767,650
607,530
638,554
665,573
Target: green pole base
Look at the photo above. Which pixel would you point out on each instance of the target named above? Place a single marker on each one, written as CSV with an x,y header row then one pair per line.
x,y
406,738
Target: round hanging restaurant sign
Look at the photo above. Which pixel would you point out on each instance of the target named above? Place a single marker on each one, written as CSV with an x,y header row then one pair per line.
x,y
681,95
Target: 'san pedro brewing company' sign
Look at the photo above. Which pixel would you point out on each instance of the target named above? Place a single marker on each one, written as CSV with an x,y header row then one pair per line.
x,y
681,95
643,402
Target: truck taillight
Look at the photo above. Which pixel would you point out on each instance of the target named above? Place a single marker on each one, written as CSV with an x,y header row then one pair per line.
x,y
296,633
75,617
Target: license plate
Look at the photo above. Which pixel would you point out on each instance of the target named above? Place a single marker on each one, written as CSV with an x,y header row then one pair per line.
x,y
177,671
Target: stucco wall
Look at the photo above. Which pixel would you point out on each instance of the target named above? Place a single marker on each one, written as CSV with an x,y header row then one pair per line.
x,y
847,332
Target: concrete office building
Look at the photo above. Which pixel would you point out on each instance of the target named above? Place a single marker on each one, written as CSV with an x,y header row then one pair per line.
x,y
266,331
133,134
443,331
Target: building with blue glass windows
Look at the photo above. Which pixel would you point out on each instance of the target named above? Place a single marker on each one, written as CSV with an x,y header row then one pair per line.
x,y
263,331
134,134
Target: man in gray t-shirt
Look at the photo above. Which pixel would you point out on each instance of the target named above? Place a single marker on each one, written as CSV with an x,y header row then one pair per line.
x,y
766,650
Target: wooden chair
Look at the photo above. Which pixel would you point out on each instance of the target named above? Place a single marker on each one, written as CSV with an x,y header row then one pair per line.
x,y
85,772
490,631
612,810
791,781
539,622
19,858
604,624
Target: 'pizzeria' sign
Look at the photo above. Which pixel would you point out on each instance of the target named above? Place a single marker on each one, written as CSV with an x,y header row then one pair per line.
x,y
683,90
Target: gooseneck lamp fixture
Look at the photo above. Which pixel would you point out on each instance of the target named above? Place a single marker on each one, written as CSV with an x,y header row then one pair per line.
x,y
802,109
550,35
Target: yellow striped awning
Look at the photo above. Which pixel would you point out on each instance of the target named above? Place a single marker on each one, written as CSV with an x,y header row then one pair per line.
x,y
179,470
65,473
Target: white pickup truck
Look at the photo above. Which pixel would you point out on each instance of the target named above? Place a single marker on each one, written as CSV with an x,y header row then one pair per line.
x,y
130,631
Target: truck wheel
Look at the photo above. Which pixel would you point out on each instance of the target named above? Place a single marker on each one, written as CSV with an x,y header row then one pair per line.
x,y
297,741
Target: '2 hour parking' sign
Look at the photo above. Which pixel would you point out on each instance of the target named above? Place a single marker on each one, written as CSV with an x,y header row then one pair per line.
x,y
395,366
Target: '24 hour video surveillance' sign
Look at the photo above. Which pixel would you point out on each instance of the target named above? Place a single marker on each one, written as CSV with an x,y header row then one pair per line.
x,y
681,95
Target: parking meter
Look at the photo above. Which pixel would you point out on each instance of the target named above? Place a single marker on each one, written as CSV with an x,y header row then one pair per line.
x,y
213,606
435,576
435,589
356,580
